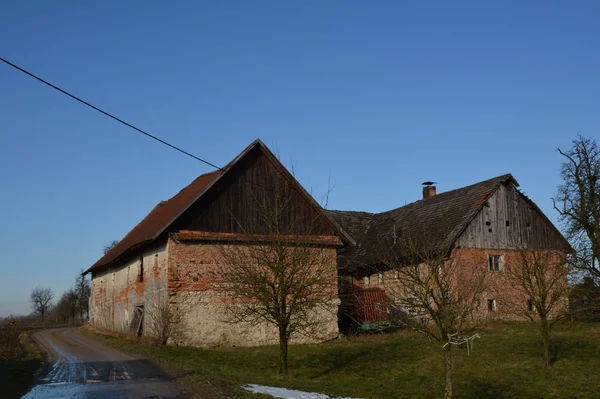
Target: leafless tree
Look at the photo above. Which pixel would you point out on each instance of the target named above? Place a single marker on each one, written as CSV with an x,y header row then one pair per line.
x,y
41,300
584,302
160,319
83,291
281,277
66,308
540,294
110,245
578,203
435,294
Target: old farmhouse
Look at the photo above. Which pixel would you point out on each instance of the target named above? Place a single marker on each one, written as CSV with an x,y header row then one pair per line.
x,y
166,270
483,225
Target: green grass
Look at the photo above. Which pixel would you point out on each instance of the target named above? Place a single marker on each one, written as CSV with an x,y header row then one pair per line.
x,y
19,360
506,363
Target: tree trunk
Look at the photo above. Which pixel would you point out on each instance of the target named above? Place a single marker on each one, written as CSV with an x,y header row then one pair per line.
x,y
546,342
283,354
448,371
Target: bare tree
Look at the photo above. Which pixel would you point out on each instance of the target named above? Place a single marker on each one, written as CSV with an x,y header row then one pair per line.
x,y
160,319
286,277
436,295
41,300
578,203
540,292
66,308
110,245
584,303
83,291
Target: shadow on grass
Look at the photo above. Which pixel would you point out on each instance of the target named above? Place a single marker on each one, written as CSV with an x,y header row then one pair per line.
x,y
361,358
567,348
341,360
17,376
477,388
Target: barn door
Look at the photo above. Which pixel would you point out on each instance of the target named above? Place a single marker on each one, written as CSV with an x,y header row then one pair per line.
x,y
136,322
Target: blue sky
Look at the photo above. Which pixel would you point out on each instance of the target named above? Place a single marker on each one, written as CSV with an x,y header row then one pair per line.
x,y
378,96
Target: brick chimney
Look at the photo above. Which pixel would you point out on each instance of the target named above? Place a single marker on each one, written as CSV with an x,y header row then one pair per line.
x,y
428,189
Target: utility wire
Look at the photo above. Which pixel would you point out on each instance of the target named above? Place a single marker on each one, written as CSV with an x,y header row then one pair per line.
x,y
122,121
108,114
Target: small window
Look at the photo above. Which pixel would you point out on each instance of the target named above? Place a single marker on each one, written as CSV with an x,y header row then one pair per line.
x,y
396,274
491,305
495,263
141,274
367,280
507,223
530,305
380,277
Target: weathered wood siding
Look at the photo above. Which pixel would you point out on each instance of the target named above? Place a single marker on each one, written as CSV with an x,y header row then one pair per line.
x,y
510,220
244,199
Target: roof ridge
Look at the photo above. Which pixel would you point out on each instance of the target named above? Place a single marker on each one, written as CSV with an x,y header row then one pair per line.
x,y
437,196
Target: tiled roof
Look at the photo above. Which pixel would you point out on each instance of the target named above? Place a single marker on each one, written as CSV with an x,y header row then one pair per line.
x,y
435,222
154,223
165,213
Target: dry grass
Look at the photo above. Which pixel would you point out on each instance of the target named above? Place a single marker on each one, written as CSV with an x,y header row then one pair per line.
x,y
10,345
19,360
507,363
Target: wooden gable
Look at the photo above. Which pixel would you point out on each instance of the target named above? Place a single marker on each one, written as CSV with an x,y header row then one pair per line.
x,y
508,219
248,194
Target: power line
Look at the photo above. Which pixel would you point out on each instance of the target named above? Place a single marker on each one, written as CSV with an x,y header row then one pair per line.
x,y
108,114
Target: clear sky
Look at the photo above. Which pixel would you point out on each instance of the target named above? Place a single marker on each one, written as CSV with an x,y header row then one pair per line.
x,y
378,96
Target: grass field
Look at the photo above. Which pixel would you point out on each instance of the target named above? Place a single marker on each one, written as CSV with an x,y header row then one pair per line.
x,y
506,363
19,360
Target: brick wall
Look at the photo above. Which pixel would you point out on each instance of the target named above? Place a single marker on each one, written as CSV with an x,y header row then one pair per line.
x,y
507,297
200,305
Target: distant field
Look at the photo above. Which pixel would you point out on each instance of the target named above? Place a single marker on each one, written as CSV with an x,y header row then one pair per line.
x,y
506,363
19,359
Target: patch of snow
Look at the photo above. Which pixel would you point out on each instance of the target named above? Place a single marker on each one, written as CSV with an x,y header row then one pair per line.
x,y
283,393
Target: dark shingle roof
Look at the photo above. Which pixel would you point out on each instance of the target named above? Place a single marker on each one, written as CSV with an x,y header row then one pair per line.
x,y
435,223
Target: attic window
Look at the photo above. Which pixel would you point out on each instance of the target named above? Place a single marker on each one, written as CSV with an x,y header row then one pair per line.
x,y
380,277
495,263
488,223
366,280
141,273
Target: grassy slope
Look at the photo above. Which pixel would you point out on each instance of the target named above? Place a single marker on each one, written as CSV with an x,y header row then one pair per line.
x,y
17,371
506,363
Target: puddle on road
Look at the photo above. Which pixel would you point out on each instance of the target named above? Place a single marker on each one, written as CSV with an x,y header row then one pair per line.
x,y
104,390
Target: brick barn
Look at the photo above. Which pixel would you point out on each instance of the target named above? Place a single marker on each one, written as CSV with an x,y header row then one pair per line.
x,y
484,225
171,258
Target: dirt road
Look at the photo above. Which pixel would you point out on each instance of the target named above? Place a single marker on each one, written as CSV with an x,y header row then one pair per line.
x,y
81,367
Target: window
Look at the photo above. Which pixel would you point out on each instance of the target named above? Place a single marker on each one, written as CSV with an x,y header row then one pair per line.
x,y
495,262
380,277
366,280
491,305
530,305
396,274
141,275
